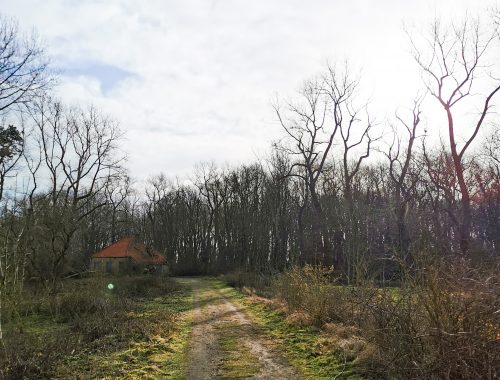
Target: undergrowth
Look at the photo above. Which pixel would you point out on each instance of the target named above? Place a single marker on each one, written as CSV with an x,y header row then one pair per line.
x,y
307,348
92,329
442,322
238,362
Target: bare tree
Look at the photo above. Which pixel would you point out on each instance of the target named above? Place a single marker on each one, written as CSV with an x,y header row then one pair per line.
x,y
117,192
157,189
23,77
310,135
214,190
443,192
11,148
327,109
400,156
454,60
79,156
23,67
354,129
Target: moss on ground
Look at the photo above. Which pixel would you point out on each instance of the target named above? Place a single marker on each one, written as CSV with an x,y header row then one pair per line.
x,y
306,348
160,355
161,352
238,362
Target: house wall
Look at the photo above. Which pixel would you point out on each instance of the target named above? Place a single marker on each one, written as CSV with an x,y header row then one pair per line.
x,y
123,265
115,265
156,269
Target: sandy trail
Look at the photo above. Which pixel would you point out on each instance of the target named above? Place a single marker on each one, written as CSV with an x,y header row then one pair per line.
x,y
214,317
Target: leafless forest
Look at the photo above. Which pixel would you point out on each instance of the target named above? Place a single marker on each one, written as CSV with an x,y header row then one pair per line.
x,y
351,220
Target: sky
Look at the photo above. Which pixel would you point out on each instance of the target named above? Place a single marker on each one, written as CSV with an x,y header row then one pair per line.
x,y
193,81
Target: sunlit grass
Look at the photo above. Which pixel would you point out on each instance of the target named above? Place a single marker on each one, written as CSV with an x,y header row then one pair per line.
x,y
238,362
307,348
158,356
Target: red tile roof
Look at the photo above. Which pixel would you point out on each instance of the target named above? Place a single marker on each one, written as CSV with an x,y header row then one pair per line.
x,y
138,252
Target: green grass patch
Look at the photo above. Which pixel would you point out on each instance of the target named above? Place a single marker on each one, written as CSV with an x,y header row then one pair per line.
x,y
307,348
238,362
137,330
160,353
36,324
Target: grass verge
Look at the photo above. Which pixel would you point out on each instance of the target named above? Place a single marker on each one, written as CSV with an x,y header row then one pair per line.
x,y
238,362
312,351
158,354
139,330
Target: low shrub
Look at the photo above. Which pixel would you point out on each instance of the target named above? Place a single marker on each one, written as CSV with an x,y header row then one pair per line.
x,y
308,289
440,325
71,305
85,315
145,286
257,283
28,356
442,322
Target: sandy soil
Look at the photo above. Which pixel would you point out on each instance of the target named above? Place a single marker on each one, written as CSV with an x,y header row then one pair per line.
x,y
213,312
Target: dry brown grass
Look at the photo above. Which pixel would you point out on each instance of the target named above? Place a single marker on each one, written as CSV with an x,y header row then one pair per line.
x,y
300,318
84,317
442,323
308,290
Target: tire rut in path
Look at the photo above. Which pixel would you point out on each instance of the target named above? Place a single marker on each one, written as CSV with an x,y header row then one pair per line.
x,y
213,312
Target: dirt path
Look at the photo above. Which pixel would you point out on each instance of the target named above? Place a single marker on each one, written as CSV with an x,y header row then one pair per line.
x,y
225,344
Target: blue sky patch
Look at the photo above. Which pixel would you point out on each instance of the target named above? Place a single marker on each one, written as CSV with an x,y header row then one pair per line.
x,y
109,76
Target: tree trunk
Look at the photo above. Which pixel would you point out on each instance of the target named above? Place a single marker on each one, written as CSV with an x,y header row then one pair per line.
x,y
465,220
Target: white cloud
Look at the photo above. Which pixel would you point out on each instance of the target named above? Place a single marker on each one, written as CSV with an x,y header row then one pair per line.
x,y
203,73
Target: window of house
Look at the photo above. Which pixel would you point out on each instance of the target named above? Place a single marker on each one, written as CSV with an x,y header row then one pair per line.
x,y
109,266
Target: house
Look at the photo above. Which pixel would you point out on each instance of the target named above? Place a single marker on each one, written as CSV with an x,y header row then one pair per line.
x,y
127,256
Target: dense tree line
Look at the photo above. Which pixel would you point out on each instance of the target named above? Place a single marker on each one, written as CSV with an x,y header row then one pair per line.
x,y
319,200
334,191
258,218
